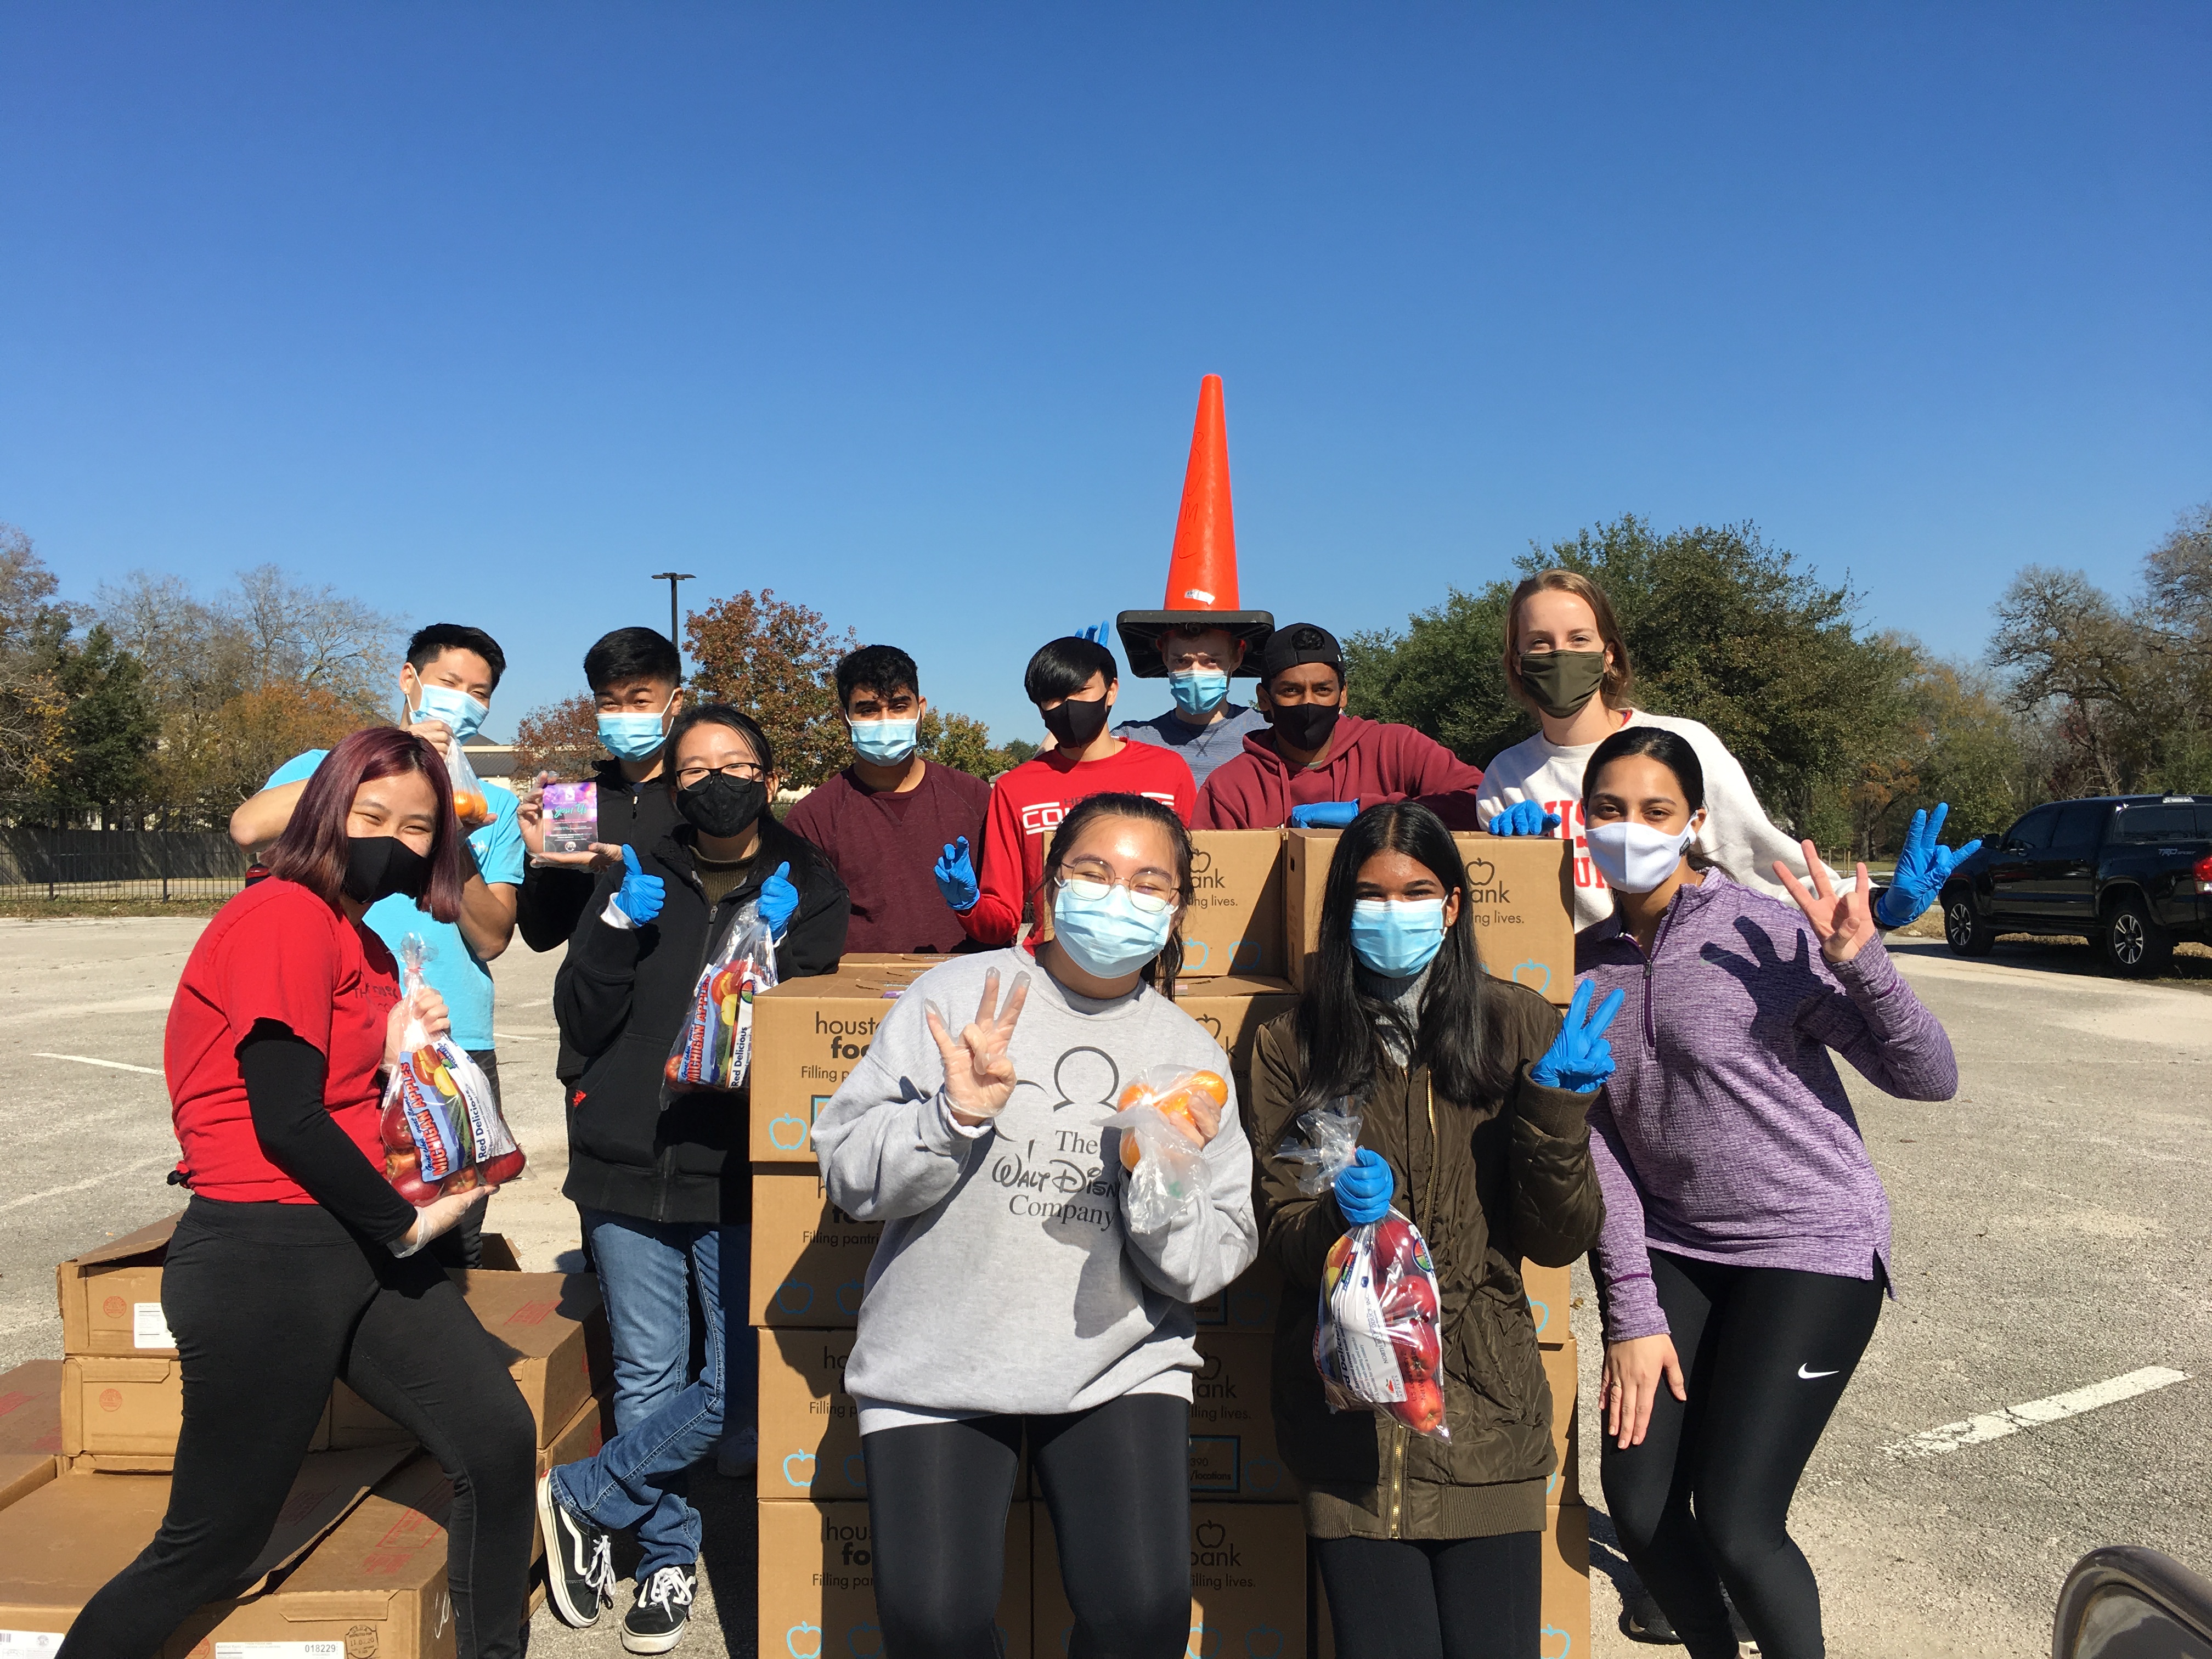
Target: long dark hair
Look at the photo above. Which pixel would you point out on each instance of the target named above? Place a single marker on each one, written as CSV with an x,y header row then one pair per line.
x,y
313,849
1339,1027
1161,971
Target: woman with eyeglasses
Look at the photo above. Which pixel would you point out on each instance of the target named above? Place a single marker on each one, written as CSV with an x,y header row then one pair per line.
x,y
1013,1298
665,1195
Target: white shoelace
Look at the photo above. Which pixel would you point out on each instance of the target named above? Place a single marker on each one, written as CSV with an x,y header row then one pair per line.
x,y
671,1587
599,1570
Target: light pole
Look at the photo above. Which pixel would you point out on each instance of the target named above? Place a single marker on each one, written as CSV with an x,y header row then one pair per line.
x,y
675,579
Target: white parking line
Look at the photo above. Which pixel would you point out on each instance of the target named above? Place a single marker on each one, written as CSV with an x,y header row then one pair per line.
x,y
1995,1425
112,1064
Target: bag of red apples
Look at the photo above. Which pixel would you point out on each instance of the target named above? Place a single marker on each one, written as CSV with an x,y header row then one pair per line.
x,y
442,1129
1378,1342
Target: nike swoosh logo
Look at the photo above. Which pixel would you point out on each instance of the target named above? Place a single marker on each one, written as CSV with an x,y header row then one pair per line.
x,y
1809,1375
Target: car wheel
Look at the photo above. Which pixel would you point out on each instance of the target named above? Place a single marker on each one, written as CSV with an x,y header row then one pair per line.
x,y
1965,930
2135,944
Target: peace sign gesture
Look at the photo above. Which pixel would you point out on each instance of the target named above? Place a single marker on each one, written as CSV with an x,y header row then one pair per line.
x,y
979,1073
1843,922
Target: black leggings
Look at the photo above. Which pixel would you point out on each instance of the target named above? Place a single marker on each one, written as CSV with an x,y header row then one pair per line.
x,y
1117,1481
270,1302
1452,1598
1704,1501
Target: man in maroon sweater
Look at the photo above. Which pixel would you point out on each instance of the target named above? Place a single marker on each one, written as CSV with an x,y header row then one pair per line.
x,y
1316,764
883,819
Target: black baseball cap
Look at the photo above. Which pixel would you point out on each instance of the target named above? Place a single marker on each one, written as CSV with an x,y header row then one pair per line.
x,y
1296,643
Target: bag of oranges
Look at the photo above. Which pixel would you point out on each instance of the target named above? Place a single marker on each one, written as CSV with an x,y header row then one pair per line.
x,y
471,804
1164,1143
1378,1338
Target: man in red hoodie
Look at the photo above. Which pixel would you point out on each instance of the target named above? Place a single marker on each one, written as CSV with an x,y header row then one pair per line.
x,y
1073,682
1316,764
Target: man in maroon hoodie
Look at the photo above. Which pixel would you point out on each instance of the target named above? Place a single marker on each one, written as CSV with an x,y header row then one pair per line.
x,y
1316,764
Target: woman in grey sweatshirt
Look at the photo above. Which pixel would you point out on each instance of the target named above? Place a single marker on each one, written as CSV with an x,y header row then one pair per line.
x,y
1012,1297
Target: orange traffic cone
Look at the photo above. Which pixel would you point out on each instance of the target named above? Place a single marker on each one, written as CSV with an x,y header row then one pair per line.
x,y
1202,565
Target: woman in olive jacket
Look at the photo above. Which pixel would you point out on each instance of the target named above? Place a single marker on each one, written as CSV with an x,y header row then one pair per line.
x,y
1426,1547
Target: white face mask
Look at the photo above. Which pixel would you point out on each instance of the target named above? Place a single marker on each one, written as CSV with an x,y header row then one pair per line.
x,y
1634,857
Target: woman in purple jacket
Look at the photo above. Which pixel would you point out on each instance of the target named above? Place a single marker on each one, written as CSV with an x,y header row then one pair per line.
x,y
1746,1248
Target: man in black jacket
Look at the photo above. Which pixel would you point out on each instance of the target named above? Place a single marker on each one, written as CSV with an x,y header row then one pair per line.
x,y
665,1191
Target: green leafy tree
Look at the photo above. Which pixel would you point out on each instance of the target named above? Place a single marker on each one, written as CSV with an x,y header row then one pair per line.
x,y
112,730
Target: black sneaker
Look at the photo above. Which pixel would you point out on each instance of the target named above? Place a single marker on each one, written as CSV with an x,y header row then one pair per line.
x,y
580,1560
664,1607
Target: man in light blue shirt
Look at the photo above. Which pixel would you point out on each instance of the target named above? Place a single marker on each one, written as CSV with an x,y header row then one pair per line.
x,y
446,686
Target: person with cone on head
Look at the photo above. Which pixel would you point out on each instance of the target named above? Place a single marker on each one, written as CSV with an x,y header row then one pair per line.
x,y
1318,766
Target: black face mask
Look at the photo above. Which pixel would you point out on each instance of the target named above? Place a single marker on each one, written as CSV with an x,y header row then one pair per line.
x,y
1304,725
722,806
1076,725
377,866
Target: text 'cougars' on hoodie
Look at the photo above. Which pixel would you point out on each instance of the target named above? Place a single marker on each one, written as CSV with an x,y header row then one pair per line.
x,y
1368,761
1009,1278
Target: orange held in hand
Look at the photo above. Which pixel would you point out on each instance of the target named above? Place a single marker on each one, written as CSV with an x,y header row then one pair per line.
x,y
1174,1104
471,807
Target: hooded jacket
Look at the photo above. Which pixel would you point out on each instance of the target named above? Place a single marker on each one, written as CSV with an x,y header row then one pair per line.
x,y
1488,1183
621,998
1368,761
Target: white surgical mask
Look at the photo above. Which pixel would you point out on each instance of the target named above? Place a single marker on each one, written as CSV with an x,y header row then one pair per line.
x,y
1634,857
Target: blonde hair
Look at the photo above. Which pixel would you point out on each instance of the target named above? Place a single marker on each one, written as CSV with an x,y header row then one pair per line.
x,y
1619,678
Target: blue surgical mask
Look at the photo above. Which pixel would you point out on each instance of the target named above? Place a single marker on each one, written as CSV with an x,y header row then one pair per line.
x,y
634,737
1108,937
1397,938
461,711
884,742
1200,691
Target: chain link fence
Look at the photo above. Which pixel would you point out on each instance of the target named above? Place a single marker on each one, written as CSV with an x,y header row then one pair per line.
x,y
120,864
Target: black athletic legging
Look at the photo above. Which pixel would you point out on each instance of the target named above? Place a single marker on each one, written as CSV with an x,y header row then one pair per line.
x,y
270,1302
1116,1479
1454,1598
1704,1500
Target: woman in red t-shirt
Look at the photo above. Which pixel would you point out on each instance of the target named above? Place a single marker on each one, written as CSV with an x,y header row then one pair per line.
x,y
295,1265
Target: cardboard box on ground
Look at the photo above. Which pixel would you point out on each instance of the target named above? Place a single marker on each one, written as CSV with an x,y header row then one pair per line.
x,y
1247,1577
1520,888
811,1262
817,1584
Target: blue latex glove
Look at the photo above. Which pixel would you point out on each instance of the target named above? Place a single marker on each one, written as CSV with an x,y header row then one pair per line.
x,y
1096,633
1580,1058
1363,1191
1524,818
640,895
779,899
1324,815
956,878
1923,867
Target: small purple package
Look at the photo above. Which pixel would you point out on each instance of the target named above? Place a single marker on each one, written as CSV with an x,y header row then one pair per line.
x,y
571,817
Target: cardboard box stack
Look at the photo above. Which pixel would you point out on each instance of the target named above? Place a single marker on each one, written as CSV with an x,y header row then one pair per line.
x,y
87,1444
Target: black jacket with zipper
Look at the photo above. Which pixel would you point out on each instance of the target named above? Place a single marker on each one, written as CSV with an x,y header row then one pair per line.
x,y
1488,1183
621,998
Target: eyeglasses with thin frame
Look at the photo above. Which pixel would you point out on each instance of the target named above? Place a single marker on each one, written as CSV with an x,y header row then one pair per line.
x,y
698,772
1149,891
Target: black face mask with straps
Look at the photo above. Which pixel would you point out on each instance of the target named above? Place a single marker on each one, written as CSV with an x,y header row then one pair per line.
x,y
1304,725
377,866
718,804
1076,725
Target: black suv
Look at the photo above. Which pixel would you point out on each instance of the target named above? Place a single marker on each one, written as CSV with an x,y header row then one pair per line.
x,y
2132,873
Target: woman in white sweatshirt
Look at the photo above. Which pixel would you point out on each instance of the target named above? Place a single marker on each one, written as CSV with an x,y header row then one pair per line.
x,y
1013,1297
1566,663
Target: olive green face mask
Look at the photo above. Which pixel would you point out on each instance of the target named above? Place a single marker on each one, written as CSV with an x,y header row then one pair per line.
x,y
1562,681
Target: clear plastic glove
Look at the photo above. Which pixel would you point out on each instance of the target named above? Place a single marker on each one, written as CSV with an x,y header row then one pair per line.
x,y
1923,866
1363,1191
640,895
1580,1058
441,1216
956,877
779,901
1095,633
1324,815
1524,818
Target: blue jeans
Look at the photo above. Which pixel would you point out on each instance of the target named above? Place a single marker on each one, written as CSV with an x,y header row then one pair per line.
x,y
664,1423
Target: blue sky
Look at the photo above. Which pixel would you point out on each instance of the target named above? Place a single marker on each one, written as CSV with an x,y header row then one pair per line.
x,y
487,312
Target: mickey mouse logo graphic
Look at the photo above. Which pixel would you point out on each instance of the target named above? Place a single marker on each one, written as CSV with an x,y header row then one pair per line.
x,y
1087,1077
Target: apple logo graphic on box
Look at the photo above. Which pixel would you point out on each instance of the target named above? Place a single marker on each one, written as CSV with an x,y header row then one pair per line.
x,y
1200,1637
795,1639
1556,1643
1065,1635
804,1475
1541,1312
1536,976
1249,1307
1194,953
790,1288
1263,1642
1262,1473
848,1296
856,1470
865,1641
1481,872
787,1133
1213,1541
